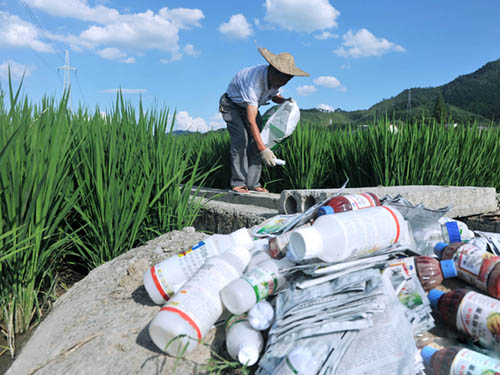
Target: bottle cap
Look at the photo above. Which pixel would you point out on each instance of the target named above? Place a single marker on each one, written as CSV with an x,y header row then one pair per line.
x,y
261,315
248,355
434,296
438,248
453,231
242,238
325,210
305,243
448,268
427,352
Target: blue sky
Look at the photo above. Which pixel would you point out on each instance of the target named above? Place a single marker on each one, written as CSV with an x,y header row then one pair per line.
x,y
182,54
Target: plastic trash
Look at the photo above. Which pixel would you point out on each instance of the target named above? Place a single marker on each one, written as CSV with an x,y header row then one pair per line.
x,y
281,124
278,245
475,266
455,360
279,162
261,315
300,360
164,279
243,342
447,230
254,285
191,312
257,258
471,313
351,202
431,272
333,238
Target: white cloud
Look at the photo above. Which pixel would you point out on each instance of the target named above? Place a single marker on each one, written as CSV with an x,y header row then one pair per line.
x,y
364,43
306,90
330,82
15,32
111,54
237,27
137,31
190,50
16,70
301,15
216,122
128,60
326,35
185,122
124,91
325,108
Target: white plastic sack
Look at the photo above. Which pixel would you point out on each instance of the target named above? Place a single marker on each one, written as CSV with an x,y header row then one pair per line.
x,y
281,124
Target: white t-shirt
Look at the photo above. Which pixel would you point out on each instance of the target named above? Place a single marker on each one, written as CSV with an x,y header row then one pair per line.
x,y
250,86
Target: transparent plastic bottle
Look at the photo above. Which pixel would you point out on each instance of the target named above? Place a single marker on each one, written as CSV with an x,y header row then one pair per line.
x,y
455,360
191,312
471,313
333,238
349,202
474,265
431,272
254,285
243,342
300,361
165,278
447,230
261,315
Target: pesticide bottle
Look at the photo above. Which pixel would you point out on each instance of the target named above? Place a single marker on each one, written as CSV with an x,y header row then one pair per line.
x,y
299,361
258,257
447,230
458,361
333,238
475,266
190,313
243,342
278,245
350,202
471,313
254,285
431,272
165,278
261,315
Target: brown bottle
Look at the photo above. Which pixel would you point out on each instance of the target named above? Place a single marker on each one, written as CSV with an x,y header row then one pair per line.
x,y
475,266
431,272
456,360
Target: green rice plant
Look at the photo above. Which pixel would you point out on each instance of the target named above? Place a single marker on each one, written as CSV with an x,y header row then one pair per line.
x,y
36,195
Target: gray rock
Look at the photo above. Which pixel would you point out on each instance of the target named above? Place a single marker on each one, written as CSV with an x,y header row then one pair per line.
x,y
100,325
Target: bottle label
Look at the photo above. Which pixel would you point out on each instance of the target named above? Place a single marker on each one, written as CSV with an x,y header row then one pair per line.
x,y
192,259
285,368
479,316
359,201
474,265
410,295
467,362
264,282
233,320
198,299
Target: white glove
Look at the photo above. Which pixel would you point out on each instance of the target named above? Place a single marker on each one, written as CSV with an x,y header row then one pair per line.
x,y
268,157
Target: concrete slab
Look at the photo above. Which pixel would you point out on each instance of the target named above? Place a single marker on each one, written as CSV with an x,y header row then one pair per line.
x,y
268,200
465,200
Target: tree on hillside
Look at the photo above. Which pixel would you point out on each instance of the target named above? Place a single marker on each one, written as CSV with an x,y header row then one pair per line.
x,y
440,111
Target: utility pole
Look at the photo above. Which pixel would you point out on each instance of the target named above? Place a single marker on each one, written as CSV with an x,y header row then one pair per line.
x,y
67,75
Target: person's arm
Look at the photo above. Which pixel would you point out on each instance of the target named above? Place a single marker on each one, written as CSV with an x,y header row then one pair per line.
x,y
266,154
278,99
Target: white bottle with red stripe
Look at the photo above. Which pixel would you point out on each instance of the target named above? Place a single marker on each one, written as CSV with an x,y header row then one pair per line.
x,y
165,278
191,312
349,234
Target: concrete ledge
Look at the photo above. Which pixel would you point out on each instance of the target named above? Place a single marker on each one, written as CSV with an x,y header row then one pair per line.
x,y
268,200
465,200
224,217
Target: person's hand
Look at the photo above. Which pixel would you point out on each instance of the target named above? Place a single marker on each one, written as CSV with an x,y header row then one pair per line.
x,y
268,157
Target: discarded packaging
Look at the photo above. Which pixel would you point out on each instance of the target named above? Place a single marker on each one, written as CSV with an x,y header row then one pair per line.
x,y
456,361
261,315
351,202
243,342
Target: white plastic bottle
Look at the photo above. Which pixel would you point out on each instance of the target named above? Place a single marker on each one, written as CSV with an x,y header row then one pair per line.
x,y
190,313
348,234
300,361
243,343
165,278
261,315
258,257
254,285
448,230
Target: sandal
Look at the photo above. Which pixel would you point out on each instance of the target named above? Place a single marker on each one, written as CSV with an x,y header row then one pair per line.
x,y
260,189
240,190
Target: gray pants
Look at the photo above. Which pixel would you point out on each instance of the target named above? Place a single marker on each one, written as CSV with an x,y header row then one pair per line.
x,y
246,163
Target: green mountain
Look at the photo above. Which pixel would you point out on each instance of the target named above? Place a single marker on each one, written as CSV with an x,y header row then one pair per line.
x,y
470,97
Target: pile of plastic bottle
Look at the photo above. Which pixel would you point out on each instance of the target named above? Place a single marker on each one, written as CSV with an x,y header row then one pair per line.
x,y
352,286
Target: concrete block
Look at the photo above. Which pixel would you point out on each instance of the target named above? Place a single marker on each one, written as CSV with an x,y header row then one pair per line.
x,y
267,200
465,200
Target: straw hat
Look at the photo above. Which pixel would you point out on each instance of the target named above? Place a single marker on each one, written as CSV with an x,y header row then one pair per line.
x,y
284,62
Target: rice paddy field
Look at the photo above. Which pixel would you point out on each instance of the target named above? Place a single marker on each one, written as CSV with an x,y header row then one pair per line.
x,y
80,188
